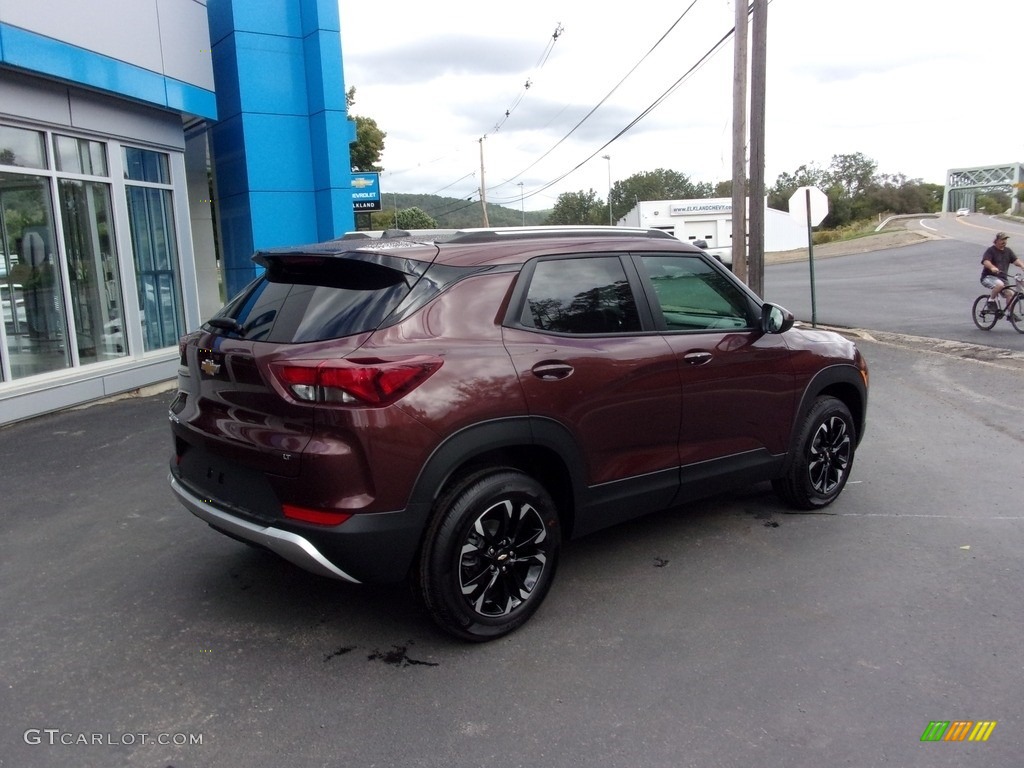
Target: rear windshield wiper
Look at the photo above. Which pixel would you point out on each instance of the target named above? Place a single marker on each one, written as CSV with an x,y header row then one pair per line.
x,y
227,324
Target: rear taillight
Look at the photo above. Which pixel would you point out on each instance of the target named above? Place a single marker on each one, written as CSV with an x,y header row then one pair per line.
x,y
354,382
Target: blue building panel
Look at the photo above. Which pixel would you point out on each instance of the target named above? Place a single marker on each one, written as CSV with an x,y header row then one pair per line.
x,y
326,86
320,15
334,213
264,18
189,99
228,140
278,153
271,73
283,218
332,133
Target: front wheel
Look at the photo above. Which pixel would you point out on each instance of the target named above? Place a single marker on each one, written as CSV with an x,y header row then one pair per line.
x,y
824,457
490,554
984,318
1017,315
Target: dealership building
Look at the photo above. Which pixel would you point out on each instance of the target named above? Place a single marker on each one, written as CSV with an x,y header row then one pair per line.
x,y
129,130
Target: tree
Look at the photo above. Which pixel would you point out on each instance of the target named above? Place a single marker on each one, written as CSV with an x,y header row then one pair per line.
x,y
415,218
854,173
788,183
366,150
578,208
723,189
660,184
993,202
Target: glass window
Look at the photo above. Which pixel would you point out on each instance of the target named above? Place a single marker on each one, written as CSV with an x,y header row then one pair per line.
x,y
21,147
93,270
692,295
146,165
31,289
154,244
581,296
312,299
80,156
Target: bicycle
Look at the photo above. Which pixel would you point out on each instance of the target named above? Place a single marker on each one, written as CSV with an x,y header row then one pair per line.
x,y
1012,309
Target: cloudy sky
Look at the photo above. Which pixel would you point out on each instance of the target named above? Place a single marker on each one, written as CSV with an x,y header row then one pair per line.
x,y
918,86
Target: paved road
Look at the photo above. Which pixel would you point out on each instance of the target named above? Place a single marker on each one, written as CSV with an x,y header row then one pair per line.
x,y
926,289
729,634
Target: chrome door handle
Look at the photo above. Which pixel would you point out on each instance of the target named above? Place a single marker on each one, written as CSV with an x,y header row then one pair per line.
x,y
551,370
697,358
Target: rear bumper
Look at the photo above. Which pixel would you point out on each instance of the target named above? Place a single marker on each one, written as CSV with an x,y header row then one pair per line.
x,y
288,545
367,548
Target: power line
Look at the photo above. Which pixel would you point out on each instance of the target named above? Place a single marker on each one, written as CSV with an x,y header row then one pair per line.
x,y
606,96
650,108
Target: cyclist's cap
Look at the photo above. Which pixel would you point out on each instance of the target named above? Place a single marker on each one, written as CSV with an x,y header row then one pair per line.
x,y
1001,236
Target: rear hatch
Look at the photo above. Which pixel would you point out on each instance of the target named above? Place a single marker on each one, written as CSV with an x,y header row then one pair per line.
x,y
237,416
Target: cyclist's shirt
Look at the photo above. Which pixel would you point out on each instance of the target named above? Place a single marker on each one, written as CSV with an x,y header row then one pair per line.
x,y
1001,258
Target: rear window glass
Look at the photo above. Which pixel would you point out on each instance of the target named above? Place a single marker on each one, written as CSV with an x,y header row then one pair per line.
x,y
316,298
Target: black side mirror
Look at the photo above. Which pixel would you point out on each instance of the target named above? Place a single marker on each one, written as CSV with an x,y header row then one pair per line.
x,y
775,319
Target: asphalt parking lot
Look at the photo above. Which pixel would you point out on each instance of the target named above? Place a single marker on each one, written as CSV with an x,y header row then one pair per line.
x,y
728,633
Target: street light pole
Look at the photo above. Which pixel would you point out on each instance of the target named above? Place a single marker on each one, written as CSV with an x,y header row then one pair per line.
x,y
522,206
609,159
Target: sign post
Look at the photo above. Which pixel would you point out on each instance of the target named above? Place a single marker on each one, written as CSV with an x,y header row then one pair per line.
x,y
810,204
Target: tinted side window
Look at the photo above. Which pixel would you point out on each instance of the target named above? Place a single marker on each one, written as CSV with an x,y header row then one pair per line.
x,y
692,295
581,296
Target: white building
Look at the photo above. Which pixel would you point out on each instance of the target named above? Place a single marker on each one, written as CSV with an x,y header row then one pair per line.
x,y
710,220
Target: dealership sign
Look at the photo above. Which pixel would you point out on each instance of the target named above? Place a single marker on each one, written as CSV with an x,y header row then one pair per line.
x,y
366,192
710,205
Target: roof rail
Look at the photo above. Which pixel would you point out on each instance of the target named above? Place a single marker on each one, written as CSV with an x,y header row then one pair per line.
x,y
494,234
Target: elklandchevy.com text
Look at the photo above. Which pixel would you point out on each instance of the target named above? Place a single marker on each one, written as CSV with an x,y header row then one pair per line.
x,y
55,736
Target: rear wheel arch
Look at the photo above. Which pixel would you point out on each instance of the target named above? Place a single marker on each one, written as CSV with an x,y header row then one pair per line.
x,y
540,448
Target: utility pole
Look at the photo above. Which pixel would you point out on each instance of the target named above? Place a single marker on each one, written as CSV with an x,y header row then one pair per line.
x,y
522,204
739,144
759,46
483,186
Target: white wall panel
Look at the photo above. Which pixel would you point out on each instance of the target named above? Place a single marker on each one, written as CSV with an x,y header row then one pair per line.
x,y
185,41
127,31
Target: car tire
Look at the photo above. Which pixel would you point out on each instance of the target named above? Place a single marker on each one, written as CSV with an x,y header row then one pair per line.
x,y
823,457
490,554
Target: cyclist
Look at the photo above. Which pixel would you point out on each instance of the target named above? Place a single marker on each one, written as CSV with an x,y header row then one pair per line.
x,y
995,261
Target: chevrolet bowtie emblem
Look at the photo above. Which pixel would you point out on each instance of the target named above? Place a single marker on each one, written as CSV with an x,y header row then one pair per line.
x,y
359,182
209,367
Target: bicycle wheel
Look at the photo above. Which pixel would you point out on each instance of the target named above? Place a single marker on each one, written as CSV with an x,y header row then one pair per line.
x,y
984,318
1017,315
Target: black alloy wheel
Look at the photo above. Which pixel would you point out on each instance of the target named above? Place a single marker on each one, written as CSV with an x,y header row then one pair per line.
x,y
818,472
490,554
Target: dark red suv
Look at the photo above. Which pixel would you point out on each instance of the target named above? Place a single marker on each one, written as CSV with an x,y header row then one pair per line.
x,y
450,406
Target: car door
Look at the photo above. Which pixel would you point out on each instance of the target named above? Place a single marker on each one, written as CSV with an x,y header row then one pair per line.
x,y
737,388
585,363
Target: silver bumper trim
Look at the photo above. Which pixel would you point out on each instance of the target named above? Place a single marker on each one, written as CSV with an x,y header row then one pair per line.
x,y
290,546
